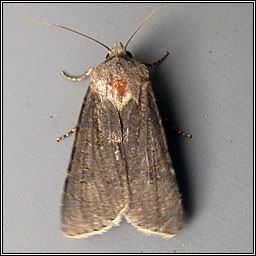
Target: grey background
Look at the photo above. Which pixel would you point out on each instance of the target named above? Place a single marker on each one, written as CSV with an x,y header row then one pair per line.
x,y
205,87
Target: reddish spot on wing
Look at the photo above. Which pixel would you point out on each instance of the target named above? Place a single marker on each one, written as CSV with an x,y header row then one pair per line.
x,y
119,87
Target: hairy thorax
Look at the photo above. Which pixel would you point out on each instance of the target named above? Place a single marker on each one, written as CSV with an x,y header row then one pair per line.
x,y
119,80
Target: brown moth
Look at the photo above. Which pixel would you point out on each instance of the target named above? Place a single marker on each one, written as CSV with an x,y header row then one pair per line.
x,y
120,164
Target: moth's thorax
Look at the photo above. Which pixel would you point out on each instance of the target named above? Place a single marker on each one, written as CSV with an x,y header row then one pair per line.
x,y
119,80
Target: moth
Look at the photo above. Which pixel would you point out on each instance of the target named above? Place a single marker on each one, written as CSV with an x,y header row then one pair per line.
x,y
120,165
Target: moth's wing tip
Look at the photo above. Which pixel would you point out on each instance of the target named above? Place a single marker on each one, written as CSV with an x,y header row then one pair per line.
x,y
100,231
86,234
152,232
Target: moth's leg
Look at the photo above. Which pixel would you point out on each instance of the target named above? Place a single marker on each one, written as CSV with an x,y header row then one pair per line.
x,y
184,134
156,62
77,79
66,135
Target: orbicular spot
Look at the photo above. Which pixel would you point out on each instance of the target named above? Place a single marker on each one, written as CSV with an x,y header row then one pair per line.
x,y
119,87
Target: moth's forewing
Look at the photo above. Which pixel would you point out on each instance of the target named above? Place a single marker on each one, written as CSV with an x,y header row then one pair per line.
x,y
93,196
155,204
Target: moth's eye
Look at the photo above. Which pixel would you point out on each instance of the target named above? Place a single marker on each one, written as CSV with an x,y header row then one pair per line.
x,y
129,54
107,56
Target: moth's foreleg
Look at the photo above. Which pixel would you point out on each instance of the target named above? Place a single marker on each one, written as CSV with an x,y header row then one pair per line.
x,y
77,79
66,135
156,62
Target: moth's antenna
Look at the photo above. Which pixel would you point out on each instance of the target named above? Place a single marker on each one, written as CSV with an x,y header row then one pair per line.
x,y
59,26
135,31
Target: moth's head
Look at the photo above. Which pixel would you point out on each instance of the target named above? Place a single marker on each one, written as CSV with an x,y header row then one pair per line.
x,y
118,50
